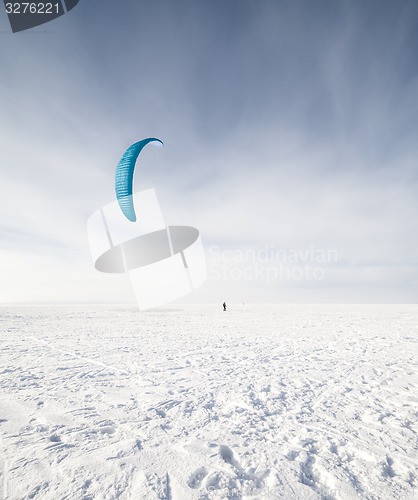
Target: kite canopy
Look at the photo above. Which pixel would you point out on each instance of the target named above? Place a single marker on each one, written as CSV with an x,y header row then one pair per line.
x,y
124,177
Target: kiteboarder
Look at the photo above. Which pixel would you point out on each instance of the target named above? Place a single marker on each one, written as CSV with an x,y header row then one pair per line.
x,y
224,304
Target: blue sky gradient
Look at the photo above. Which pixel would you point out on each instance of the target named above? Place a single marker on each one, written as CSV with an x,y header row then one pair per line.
x,y
286,123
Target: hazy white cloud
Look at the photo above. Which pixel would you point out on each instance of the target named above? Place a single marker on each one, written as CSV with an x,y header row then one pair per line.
x,y
288,124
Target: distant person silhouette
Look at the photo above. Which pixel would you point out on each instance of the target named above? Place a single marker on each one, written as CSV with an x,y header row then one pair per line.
x,y
224,304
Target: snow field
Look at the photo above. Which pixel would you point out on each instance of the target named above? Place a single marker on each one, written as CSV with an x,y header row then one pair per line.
x,y
189,402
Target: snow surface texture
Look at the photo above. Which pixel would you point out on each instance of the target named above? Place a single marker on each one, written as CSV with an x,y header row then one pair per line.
x,y
190,402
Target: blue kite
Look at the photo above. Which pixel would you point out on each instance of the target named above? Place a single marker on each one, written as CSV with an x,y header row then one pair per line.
x,y
124,177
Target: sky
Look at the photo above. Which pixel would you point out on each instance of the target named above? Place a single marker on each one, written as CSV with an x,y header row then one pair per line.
x,y
290,141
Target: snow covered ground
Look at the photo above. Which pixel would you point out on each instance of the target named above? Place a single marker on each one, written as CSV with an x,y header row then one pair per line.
x,y
189,402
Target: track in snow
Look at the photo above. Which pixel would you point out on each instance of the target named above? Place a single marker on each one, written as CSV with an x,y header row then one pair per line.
x,y
189,402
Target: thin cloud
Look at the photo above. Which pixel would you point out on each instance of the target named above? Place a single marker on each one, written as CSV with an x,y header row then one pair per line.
x,y
285,123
